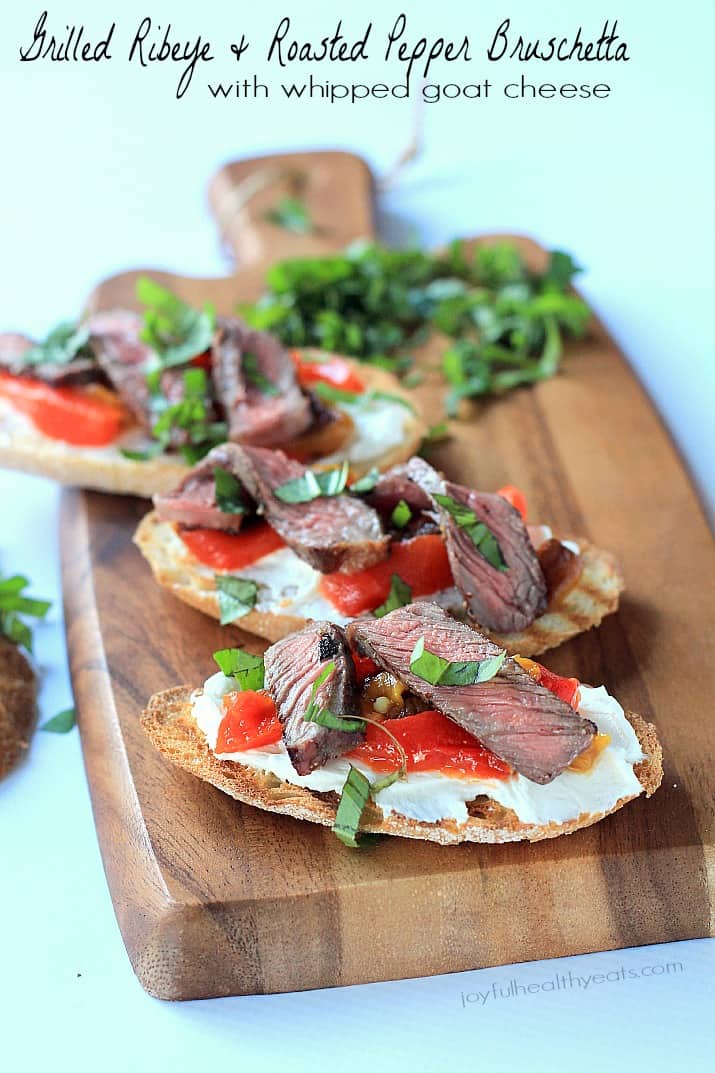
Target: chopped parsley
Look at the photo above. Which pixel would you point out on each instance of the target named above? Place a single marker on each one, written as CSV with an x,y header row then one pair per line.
x,y
401,515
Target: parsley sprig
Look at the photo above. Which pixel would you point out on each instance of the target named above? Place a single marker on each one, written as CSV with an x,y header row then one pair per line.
x,y
375,304
15,606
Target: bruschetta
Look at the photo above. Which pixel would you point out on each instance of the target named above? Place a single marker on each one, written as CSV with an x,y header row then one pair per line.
x,y
128,402
412,724
253,536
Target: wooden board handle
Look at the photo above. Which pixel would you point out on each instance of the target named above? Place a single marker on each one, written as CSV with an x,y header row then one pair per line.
x,y
336,189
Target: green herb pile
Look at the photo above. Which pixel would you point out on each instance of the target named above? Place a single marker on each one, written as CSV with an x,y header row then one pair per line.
x,y
374,304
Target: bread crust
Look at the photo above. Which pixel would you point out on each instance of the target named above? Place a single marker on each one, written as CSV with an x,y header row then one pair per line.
x,y
169,723
105,469
595,595
18,704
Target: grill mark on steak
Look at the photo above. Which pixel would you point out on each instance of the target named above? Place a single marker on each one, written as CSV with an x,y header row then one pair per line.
x,y
507,600
254,415
193,502
519,720
292,667
330,533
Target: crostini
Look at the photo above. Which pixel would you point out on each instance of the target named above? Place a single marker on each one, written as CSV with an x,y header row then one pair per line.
x,y
253,536
413,725
125,402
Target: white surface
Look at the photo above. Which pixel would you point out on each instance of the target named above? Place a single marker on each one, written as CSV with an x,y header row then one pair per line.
x,y
102,170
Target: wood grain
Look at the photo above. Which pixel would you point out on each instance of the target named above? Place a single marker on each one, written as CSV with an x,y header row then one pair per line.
x,y
216,898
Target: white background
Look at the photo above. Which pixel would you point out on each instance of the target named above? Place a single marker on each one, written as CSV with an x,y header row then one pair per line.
x,y
103,169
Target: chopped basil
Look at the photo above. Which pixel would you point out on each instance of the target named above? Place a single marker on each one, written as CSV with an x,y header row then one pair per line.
x,y
437,433
359,790
142,456
401,515
247,669
399,595
439,671
65,342
353,799
388,396
228,492
325,718
61,723
177,332
191,415
236,596
479,533
367,483
314,485
313,708
330,393
13,604
255,377
291,213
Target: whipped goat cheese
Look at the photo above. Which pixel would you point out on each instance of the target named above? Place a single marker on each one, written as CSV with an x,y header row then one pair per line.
x,y
431,797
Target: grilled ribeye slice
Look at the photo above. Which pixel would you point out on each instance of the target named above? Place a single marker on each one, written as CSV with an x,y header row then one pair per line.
x,y
193,502
255,382
331,532
504,600
525,724
292,667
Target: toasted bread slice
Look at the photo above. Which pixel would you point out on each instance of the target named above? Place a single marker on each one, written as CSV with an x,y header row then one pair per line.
x,y
170,724
18,704
175,569
105,469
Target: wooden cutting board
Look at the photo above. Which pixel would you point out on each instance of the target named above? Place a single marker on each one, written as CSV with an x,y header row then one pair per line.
x,y
216,898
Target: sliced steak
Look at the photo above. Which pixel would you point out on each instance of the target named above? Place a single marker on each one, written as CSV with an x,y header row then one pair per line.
x,y
504,600
411,482
114,337
331,533
15,348
561,567
193,503
292,667
518,719
256,385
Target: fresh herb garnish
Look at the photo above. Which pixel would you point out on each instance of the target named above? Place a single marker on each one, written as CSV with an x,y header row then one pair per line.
x,y
175,331
357,789
13,605
291,213
436,433
142,456
439,671
400,594
255,377
388,396
330,393
401,515
353,801
236,596
314,485
375,303
367,483
65,342
229,499
247,669
478,532
191,415
61,723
